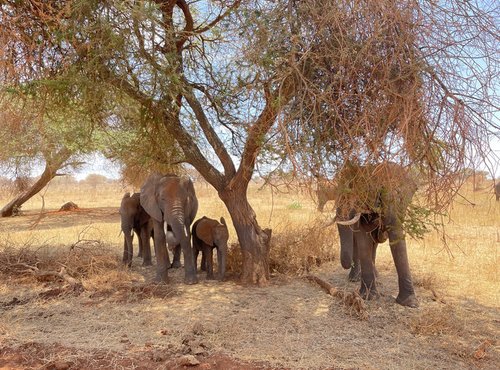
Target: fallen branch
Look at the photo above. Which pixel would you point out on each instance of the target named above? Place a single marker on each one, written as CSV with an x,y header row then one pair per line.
x,y
62,274
351,300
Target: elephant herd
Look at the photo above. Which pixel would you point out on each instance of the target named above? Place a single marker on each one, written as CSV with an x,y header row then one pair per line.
x,y
164,210
167,206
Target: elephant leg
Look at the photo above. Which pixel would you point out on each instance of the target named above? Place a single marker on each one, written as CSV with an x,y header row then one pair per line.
x,y
406,296
146,246
183,232
204,258
176,263
355,272
365,245
196,252
140,237
128,247
197,247
162,259
221,262
209,261
374,255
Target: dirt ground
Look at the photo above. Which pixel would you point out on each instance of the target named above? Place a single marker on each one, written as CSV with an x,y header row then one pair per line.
x,y
122,321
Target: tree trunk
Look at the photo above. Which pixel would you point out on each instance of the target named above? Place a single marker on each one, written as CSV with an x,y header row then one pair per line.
x,y
48,174
253,240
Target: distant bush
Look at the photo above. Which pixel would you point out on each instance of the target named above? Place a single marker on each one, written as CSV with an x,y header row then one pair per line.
x,y
294,205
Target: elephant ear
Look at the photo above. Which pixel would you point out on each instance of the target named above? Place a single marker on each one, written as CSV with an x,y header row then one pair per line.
x,y
204,231
149,199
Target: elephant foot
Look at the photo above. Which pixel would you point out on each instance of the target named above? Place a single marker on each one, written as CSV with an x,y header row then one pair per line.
x,y
127,263
175,265
354,274
190,280
139,255
147,263
210,277
159,280
408,301
369,292
161,277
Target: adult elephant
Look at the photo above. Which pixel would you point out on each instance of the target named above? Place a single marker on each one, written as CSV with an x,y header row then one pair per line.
x,y
371,207
171,201
208,234
135,219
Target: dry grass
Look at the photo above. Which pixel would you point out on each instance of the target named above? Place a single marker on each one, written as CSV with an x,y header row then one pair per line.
x,y
437,321
292,323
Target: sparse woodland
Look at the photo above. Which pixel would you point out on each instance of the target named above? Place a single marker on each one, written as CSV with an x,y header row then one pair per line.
x,y
258,101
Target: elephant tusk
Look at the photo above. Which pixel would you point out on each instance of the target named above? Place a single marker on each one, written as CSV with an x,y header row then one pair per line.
x,y
349,222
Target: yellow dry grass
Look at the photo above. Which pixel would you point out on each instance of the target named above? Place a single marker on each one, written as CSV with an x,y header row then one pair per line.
x,y
292,323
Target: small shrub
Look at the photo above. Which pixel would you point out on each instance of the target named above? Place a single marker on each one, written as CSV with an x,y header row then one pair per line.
x,y
82,260
295,205
294,251
301,248
234,260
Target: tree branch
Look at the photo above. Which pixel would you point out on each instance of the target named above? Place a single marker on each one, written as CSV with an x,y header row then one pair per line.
x,y
210,133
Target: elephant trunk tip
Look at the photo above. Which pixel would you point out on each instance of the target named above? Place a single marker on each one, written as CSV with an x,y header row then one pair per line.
x,y
346,261
345,264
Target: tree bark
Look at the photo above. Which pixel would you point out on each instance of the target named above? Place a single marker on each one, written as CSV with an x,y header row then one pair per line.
x,y
254,242
50,171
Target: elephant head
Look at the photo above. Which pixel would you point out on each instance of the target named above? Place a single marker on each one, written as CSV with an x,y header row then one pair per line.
x,y
207,235
371,207
171,202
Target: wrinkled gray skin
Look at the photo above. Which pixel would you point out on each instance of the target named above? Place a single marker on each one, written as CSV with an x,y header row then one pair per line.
x,y
208,234
135,219
171,200
497,191
363,237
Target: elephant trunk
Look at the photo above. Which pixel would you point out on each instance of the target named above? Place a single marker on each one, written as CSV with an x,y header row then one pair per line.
x,y
346,245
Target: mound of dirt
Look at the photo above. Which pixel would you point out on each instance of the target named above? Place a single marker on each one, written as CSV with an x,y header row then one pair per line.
x,y
69,206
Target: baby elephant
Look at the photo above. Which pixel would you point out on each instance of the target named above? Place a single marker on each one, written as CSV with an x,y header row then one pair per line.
x,y
207,235
135,219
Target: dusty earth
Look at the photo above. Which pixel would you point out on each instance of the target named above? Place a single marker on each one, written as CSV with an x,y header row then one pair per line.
x,y
119,320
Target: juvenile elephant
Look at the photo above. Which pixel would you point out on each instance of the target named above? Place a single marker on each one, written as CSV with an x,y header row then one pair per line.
x,y
171,201
135,219
208,234
384,193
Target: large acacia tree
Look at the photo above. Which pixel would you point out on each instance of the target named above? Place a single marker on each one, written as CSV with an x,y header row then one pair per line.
x,y
233,83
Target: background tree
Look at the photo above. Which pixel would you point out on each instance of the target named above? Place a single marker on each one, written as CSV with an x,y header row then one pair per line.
x,y
33,137
235,84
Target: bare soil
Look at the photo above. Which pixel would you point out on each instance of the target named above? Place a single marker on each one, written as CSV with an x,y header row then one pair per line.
x,y
122,321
